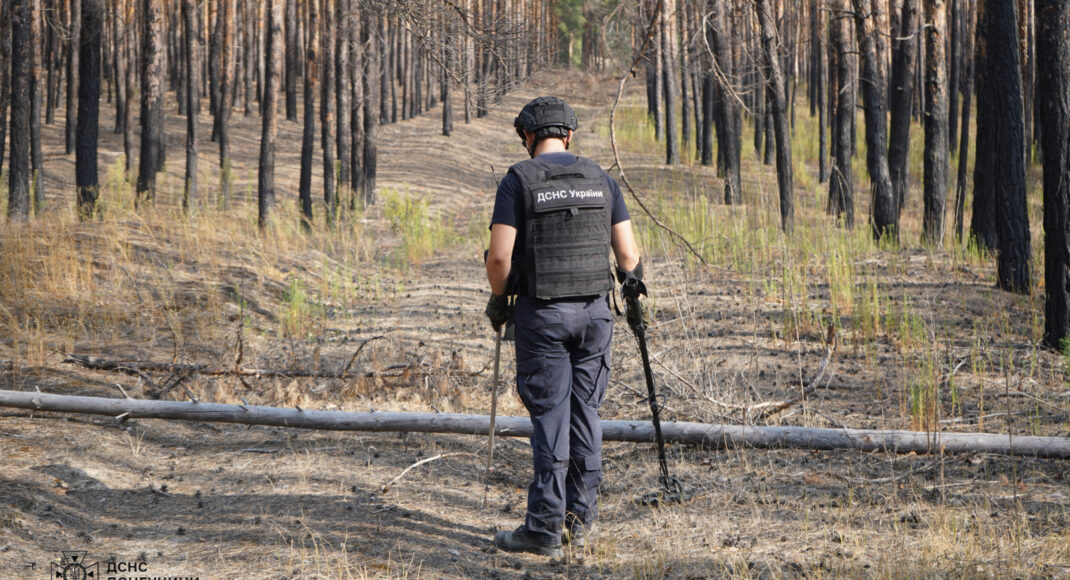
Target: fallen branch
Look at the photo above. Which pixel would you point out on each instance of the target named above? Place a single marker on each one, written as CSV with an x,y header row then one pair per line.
x,y
386,486
725,436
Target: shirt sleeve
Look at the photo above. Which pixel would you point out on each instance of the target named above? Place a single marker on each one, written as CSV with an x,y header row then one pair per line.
x,y
506,208
620,210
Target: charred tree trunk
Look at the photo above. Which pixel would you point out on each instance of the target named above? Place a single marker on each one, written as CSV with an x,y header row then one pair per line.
x,y
227,90
821,78
189,14
841,180
356,113
936,97
370,30
292,56
779,113
5,76
902,84
129,81
729,140
969,21
269,121
74,72
668,82
1000,95
18,173
36,159
954,72
327,118
344,136
885,211
151,159
308,136
1053,98
91,25
50,58
449,44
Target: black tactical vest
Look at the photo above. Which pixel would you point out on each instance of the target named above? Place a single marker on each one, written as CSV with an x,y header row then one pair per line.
x,y
563,250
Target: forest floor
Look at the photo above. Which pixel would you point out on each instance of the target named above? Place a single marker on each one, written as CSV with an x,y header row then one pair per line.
x,y
923,340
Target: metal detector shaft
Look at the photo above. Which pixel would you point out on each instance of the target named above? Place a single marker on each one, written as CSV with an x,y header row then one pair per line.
x,y
635,320
494,398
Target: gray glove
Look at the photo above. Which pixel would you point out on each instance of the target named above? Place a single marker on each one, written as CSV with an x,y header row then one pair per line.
x,y
497,311
631,282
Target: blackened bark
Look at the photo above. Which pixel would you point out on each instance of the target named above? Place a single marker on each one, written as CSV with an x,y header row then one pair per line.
x,y
885,211
1053,100
370,29
983,229
344,137
215,65
778,106
189,14
130,80
449,45
18,204
269,121
327,112
729,140
936,97
292,52
227,90
902,91
309,131
668,82
119,63
841,180
1001,96
36,159
5,67
356,114
74,73
954,71
91,23
968,23
151,160
818,92
51,58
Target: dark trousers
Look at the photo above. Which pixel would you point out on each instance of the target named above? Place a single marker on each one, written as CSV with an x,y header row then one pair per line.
x,y
562,356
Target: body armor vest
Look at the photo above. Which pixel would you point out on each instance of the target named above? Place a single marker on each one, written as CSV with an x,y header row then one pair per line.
x,y
564,248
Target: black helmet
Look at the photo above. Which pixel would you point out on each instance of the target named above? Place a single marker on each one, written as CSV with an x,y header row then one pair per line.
x,y
546,117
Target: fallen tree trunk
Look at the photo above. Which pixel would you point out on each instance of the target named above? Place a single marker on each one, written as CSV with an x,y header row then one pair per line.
x,y
725,436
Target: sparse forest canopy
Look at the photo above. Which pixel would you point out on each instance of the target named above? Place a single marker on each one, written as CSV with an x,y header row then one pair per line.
x,y
854,217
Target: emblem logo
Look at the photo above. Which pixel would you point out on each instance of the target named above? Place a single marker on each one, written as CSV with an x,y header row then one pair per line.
x,y
73,566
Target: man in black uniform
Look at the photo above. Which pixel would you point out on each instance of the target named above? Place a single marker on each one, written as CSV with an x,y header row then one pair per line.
x,y
556,217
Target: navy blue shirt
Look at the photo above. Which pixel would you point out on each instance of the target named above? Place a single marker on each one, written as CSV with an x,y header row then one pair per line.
x,y
508,211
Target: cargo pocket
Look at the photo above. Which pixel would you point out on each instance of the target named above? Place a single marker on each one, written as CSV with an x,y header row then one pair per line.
x,y
538,385
601,379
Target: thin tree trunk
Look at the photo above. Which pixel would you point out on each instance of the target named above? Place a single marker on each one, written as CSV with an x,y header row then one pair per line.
x,y
266,173
73,71
903,57
356,114
151,99
51,57
370,30
129,80
954,72
668,71
327,113
729,140
36,159
820,74
5,68
227,91
969,24
841,180
189,192
18,173
341,69
885,211
936,97
292,56
91,24
308,136
779,113
1053,98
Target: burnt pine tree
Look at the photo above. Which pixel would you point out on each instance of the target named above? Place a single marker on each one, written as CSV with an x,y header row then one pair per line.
x,y
668,81
968,23
18,174
151,159
269,121
1001,95
5,64
308,135
343,136
292,55
841,181
74,72
729,139
885,212
1053,100
983,229
904,51
85,162
189,14
327,118
779,114
936,136
36,158
227,86
370,30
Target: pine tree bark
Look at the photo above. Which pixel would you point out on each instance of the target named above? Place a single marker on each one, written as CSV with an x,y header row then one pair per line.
x,y
151,160
969,24
91,25
292,56
344,136
1001,142
902,93
954,71
668,72
308,136
778,106
936,98
73,72
885,211
36,158
327,112
51,57
269,120
227,90
370,30
729,140
189,16
1053,98
129,80
5,68
356,113
841,180
818,92
18,173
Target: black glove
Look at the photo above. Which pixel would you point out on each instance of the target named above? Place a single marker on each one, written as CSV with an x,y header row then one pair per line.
x,y
497,310
631,282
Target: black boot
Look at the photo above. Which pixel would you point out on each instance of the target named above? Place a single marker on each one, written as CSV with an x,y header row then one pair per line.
x,y
520,540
